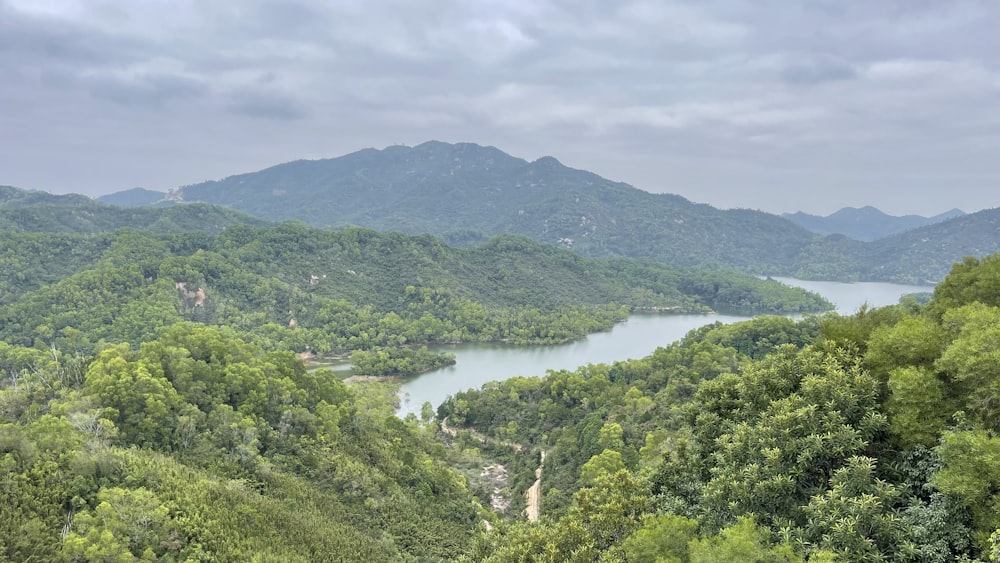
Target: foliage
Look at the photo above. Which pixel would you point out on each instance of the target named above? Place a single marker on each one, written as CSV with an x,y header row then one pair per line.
x,y
467,192
200,446
398,361
862,438
299,288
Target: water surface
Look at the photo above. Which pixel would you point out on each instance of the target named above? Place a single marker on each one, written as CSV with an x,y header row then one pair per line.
x,y
637,337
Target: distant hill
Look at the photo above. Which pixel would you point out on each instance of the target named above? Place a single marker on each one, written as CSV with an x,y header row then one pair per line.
x,y
466,193
259,275
134,197
866,223
16,198
33,211
926,254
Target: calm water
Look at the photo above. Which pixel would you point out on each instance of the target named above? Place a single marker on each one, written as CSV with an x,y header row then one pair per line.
x,y
636,338
848,297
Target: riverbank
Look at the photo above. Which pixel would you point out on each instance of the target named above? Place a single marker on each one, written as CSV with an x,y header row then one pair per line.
x,y
639,336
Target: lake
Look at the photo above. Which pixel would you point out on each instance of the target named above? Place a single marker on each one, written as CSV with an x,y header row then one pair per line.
x,y
635,338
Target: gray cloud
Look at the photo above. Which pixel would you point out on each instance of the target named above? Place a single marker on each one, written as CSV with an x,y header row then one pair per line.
x,y
767,104
266,105
816,69
145,89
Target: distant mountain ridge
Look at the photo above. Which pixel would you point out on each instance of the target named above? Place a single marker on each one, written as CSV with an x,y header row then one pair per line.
x,y
866,223
36,211
135,197
465,193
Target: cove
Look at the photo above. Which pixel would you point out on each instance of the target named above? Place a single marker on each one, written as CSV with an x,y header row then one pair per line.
x,y
639,336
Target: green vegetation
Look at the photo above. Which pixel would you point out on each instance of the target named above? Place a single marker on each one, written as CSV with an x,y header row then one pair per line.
x,y
863,438
38,212
292,287
467,193
398,361
152,407
198,446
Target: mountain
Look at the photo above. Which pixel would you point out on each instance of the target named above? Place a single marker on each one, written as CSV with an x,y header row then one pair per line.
x,y
466,192
123,285
16,198
34,211
925,255
865,223
134,197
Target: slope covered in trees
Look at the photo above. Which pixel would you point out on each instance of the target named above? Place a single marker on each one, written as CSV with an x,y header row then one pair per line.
x,y
863,438
197,446
134,197
866,223
466,193
469,192
299,288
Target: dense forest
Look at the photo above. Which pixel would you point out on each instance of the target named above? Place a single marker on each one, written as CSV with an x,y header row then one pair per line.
x,y
153,406
862,438
199,447
298,288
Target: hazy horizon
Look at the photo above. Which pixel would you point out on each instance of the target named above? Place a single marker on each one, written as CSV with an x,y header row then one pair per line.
x,y
761,105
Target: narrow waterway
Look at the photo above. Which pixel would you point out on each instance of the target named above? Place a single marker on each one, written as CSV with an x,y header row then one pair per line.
x,y
638,337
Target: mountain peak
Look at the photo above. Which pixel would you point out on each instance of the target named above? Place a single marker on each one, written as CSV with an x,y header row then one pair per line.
x,y
548,161
866,223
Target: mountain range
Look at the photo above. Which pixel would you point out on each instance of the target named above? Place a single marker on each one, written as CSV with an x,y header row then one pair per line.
x,y
866,223
465,193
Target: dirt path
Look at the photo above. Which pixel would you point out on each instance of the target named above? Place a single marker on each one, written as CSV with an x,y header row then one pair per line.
x,y
533,496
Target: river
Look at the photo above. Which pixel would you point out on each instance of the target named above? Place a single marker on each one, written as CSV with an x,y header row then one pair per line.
x,y
637,337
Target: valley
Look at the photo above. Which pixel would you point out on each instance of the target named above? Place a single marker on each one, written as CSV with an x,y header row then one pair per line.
x,y
672,391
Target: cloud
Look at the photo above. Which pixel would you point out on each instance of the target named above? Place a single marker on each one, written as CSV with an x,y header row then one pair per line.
x,y
733,100
816,69
145,89
267,105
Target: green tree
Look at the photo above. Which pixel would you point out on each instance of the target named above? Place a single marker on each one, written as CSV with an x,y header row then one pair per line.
x,y
744,542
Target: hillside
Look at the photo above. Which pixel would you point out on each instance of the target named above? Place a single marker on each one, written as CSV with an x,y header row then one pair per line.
x,y
134,197
861,438
42,212
927,254
865,223
15,198
467,192
297,287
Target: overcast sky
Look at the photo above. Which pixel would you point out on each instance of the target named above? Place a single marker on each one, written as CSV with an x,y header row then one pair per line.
x,y
779,105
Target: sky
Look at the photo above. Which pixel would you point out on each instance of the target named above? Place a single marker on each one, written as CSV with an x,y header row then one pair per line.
x,y
776,105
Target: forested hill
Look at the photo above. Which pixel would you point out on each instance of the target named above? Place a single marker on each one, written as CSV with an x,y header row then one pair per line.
x,y
132,198
866,438
297,287
12,198
862,438
35,211
866,223
919,256
468,192
928,252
